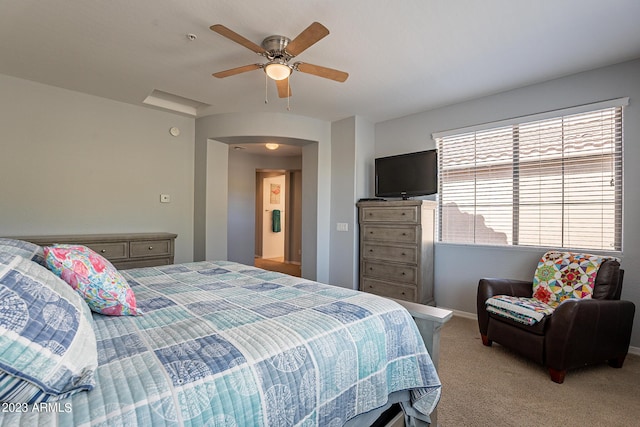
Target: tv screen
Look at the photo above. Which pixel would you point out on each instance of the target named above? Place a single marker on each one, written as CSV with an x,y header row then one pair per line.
x,y
407,175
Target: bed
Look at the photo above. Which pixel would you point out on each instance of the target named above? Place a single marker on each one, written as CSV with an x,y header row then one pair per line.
x,y
225,344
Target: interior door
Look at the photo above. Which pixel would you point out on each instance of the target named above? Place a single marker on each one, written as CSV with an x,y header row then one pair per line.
x,y
273,199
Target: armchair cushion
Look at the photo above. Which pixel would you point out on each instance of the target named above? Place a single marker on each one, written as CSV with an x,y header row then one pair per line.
x,y
520,309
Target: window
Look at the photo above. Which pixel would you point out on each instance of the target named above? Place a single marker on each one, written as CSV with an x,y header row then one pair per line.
x,y
552,180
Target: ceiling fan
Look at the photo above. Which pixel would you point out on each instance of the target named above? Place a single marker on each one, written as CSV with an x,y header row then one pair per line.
x,y
279,50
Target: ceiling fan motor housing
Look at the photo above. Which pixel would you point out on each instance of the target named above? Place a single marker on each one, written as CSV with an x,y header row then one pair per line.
x,y
275,47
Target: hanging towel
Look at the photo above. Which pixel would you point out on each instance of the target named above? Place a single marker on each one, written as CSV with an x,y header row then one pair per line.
x,y
275,221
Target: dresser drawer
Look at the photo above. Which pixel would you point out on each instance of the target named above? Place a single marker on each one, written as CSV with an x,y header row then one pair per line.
x,y
396,234
390,253
150,248
142,262
392,272
406,214
112,250
389,290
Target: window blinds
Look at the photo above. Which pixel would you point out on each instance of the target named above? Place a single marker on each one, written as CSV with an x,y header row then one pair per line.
x,y
552,182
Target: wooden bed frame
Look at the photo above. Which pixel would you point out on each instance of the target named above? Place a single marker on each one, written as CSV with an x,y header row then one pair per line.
x,y
428,319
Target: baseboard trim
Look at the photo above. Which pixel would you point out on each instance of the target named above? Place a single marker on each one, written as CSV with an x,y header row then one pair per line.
x,y
465,314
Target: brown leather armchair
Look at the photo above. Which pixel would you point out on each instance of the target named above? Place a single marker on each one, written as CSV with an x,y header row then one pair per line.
x,y
577,333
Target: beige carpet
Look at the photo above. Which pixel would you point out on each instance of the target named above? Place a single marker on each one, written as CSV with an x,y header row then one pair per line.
x,y
491,386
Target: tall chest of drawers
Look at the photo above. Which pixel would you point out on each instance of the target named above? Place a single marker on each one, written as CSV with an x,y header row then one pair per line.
x,y
396,249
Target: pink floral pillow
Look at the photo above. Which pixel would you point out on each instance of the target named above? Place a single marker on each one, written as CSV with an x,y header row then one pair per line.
x,y
94,278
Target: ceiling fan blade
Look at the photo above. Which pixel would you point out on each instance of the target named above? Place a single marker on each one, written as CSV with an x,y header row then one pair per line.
x,y
311,35
284,90
327,73
237,70
232,35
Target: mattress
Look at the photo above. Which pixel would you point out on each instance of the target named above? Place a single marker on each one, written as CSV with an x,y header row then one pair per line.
x,y
225,344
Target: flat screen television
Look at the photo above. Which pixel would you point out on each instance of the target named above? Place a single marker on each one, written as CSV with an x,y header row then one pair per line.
x,y
407,175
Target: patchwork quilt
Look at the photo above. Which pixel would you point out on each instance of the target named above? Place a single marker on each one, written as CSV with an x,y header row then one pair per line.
x,y
225,344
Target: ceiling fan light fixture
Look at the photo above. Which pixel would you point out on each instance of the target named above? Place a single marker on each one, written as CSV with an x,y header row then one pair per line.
x,y
277,71
271,146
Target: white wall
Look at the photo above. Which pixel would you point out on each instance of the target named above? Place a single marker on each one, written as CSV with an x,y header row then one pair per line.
x,y
458,267
76,163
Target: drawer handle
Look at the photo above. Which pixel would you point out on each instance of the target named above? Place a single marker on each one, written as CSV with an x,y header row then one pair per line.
x,y
403,254
403,293
150,247
403,213
103,251
403,273
404,234
370,250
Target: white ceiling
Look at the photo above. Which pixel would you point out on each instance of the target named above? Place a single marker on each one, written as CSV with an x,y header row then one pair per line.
x,y
402,56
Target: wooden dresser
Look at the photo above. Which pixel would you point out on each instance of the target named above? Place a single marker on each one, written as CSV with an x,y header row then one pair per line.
x,y
128,250
396,249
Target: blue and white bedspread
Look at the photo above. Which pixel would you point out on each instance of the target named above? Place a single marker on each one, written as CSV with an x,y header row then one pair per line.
x,y
225,344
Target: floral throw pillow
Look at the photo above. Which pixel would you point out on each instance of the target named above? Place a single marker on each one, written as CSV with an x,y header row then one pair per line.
x,y
563,275
94,278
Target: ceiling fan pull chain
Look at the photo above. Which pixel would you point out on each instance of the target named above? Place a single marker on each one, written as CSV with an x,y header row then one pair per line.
x,y
288,92
266,100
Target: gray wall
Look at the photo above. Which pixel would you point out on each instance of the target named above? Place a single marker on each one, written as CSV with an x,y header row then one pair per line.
x,y
352,150
211,206
242,200
459,267
76,163
125,157
343,182
295,217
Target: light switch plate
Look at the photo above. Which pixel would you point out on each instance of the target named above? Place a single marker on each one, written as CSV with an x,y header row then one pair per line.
x,y
342,226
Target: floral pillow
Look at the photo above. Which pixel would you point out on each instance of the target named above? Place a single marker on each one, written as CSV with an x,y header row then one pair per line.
x,y
49,349
563,275
94,278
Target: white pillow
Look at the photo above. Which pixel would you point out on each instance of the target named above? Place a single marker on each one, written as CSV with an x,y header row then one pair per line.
x,y
48,346
23,248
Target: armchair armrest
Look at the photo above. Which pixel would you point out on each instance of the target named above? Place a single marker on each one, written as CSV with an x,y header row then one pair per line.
x,y
587,331
488,288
